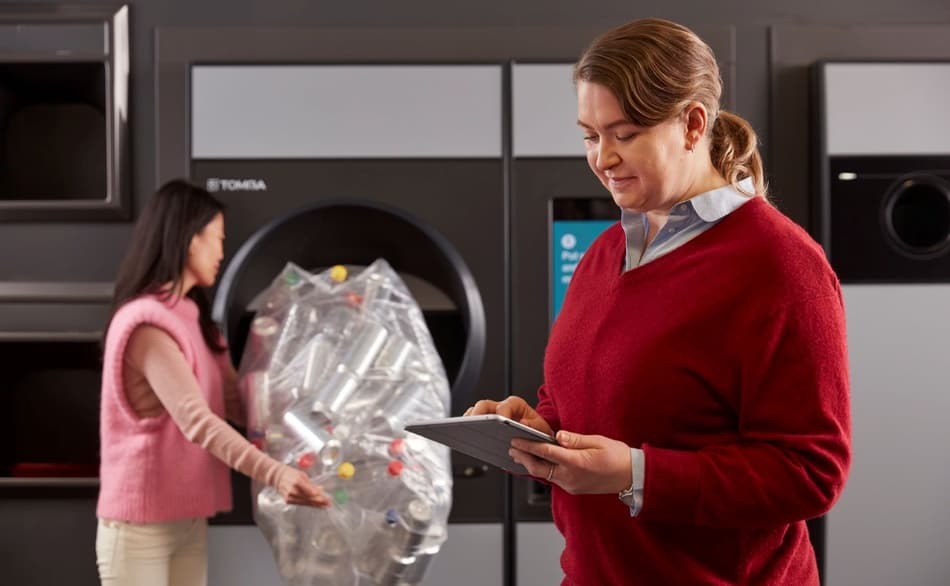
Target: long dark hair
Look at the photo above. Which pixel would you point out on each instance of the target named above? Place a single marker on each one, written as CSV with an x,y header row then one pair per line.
x,y
158,251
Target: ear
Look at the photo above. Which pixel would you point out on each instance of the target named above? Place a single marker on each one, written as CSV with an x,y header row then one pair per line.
x,y
696,118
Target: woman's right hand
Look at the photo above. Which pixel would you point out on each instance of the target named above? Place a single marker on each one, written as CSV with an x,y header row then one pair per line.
x,y
297,489
514,408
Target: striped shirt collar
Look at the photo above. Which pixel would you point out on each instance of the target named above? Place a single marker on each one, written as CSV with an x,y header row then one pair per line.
x,y
685,221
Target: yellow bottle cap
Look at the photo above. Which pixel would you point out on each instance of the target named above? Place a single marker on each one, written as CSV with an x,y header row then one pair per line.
x,y
346,470
338,273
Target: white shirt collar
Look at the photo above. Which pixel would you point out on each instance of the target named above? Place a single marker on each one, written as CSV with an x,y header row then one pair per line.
x,y
718,203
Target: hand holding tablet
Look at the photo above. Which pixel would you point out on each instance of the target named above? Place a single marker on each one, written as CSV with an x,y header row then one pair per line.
x,y
486,437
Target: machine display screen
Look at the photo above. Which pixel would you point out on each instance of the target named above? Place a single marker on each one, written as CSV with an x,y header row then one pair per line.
x,y
575,224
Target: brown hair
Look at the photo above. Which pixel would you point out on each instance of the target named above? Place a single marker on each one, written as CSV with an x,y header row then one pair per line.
x,y
655,68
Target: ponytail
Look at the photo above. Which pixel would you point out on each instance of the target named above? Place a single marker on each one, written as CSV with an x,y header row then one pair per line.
x,y
735,152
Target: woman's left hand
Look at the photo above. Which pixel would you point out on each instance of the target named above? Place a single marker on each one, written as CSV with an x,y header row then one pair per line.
x,y
579,464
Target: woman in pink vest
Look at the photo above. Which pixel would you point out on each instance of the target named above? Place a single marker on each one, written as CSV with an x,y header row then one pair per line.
x,y
167,387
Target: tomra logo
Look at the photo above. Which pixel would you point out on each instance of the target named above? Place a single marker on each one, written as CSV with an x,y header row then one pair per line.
x,y
216,184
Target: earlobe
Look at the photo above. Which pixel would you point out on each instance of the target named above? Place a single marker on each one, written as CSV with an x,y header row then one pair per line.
x,y
692,138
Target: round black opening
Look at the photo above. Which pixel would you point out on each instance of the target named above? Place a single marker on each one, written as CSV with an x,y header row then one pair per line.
x,y
917,215
352,232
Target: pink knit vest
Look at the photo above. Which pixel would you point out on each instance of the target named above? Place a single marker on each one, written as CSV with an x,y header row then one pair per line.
x,y
149,471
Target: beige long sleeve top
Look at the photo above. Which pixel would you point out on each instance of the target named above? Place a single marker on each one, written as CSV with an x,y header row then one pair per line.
x,y
157,378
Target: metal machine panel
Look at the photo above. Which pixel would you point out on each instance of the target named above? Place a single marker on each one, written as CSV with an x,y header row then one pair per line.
x,y
450,197
544,111
54,524
883,170
469,557
793,49
883,215
887,108
892,525
537,183
539,547
339,112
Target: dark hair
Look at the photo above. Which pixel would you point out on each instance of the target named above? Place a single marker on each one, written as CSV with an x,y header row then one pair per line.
x,y
654,68
158,251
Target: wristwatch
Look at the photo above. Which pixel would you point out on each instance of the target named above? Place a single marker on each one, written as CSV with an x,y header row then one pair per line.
x,y
626,495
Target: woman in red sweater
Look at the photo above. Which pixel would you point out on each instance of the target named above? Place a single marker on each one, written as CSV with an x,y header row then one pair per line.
x,y
698,367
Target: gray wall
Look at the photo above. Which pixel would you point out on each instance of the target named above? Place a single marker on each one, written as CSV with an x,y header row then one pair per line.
x,y
91,251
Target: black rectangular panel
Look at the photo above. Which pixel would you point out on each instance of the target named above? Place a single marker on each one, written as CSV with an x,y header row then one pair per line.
x,y
889,218
463,200
542,190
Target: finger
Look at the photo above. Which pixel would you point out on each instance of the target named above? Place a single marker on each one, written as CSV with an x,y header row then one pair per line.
x,y
301,489
310,500
512,407
542,450
483,407
319,501
535,466
578,441
311,491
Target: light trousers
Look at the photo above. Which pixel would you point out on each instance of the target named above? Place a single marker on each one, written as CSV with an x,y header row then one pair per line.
x,y
174,553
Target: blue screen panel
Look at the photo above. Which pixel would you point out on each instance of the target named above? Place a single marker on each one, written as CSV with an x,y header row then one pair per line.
x,y
570,239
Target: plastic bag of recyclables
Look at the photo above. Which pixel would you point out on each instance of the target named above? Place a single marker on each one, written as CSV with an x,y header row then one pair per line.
x,y
333,368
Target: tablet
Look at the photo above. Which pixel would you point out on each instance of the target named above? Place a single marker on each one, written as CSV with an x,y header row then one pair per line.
x,y
486,437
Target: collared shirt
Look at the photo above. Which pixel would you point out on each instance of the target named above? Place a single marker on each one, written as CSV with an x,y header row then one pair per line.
x,y
687,220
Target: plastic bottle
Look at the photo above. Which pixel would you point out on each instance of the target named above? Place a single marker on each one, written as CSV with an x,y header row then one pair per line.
x,y
391,552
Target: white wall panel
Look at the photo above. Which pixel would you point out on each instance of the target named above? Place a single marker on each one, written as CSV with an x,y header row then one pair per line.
x,y
470,556
330,111
892,524
887,108
544,111
539,550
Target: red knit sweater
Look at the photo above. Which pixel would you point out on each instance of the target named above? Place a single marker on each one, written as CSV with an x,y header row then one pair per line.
x,y
725,361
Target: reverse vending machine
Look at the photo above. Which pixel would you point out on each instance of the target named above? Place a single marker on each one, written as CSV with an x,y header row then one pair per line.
x,y
342,146
883,180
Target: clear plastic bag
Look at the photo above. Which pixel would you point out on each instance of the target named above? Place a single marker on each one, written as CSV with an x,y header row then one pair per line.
x,y
333,368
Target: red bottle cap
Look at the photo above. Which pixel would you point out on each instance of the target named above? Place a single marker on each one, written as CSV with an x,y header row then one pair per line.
x,y
397,448
306,460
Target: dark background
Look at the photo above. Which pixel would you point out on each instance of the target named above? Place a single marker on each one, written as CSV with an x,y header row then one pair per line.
x,y
90,251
